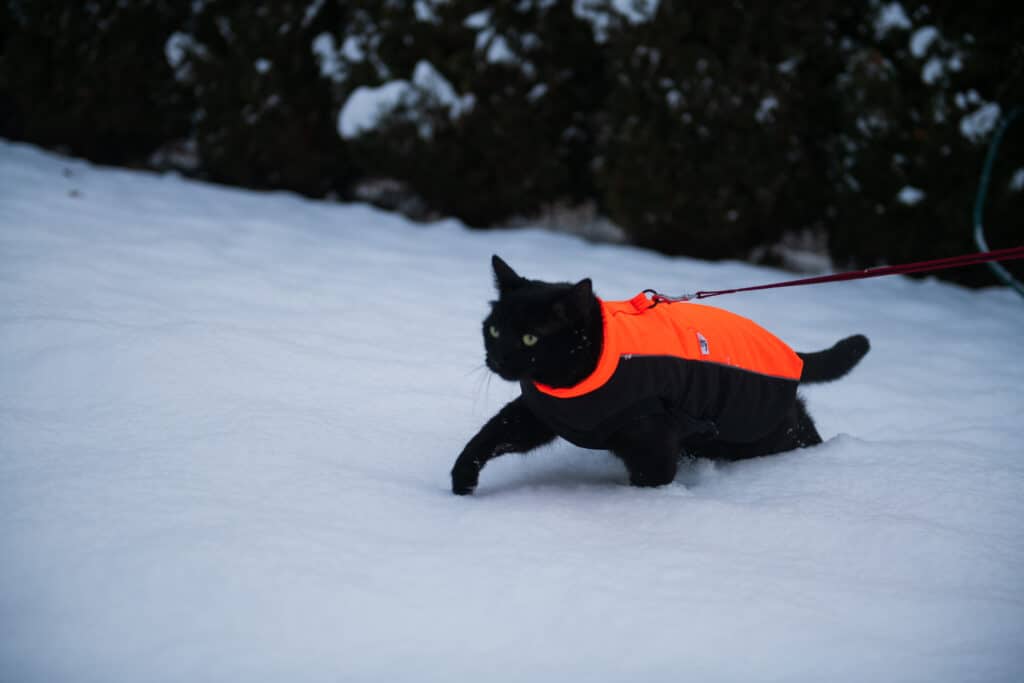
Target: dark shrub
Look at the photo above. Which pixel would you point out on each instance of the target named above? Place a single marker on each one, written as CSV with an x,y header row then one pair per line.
x,y
264,113
920,100
714,141
91,77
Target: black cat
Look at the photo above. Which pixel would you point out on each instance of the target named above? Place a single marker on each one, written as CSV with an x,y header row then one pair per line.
x,y
647,381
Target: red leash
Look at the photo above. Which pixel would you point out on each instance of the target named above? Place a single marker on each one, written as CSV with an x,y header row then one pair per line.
x,y
919,267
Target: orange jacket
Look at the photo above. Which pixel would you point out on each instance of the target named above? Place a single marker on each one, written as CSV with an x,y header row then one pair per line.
x,y
715,372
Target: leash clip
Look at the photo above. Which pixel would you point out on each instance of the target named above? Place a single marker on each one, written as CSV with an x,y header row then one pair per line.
x,y
656,297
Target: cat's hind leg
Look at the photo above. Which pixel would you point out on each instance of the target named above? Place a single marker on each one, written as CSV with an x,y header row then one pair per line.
x,y
800,431
797,430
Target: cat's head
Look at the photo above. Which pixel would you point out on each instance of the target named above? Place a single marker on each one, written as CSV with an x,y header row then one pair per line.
x,y
542,331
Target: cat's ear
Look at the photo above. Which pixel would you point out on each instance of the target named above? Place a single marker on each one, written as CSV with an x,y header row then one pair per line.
x,y
505,278
576,301
583,291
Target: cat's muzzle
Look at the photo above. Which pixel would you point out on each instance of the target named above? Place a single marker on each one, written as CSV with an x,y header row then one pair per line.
x,y
503,371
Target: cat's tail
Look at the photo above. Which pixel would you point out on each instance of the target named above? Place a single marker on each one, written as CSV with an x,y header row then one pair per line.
x,y
830,364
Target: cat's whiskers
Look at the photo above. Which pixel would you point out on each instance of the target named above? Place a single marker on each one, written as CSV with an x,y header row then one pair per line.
x,y
476,369
483,382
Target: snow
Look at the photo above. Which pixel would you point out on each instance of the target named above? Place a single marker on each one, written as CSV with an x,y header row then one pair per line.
x,y
766,109
311,12
635,11
937,67
228,419
478,20
352,50
177,47
966,99
594,12
911,196
977,125
176,50
536,92
329,56
426,11
891,17
366,105
789,66
921,40
326,53
1017,180
495,47
499,52
933,70
429,80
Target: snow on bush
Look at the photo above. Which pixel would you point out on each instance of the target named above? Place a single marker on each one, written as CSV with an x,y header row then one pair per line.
x,y
366,106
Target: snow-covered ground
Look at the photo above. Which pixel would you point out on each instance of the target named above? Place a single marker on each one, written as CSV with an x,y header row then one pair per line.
x,y
227,420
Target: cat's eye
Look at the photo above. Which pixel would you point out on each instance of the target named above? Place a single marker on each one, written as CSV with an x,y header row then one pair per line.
x,y
529,339
493,331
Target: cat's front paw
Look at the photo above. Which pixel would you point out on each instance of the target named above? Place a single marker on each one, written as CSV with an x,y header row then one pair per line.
x,y
464,478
